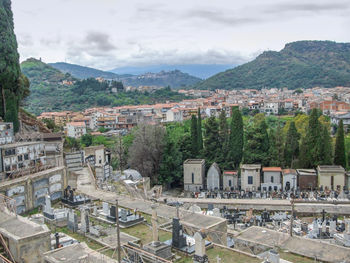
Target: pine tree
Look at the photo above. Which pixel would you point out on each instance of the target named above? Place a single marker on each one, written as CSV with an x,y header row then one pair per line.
x,y
199,131
13,85
211,140
223,140
339,151
194,137
291,148
235,154
326,146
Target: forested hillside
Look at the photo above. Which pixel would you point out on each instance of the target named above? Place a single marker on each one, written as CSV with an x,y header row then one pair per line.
x,y
302,64
51,90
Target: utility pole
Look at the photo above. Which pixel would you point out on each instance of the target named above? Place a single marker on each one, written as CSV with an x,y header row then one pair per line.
x,y
118,230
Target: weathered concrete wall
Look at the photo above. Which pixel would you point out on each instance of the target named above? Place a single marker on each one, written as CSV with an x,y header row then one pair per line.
x,y
29,191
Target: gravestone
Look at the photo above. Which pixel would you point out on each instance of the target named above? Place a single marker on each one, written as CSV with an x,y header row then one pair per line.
x,y
123,214
48,211
72,221
199,254
332,228
178,238
85,223
105,208
112,214
195,209
95,211
324,228
210,207
216,212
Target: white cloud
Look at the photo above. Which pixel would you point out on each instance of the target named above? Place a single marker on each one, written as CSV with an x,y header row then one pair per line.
x,y
111,33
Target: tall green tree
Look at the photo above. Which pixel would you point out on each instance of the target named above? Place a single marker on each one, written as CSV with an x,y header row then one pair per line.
x,y
236,140
291,147
313,141
13,85
194,136
223,140
170,172
211,140
326,146
256,149
339,151
276,147
199,131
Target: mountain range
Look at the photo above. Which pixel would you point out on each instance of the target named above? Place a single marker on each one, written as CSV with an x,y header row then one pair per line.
x,y
202,71
301,64
53,90
174,78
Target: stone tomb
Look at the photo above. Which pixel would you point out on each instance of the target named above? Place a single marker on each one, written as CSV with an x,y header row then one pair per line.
x,y
126,218
58,216
69,198
181,241
157,248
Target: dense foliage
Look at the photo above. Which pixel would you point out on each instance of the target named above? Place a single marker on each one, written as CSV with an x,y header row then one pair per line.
x,y
302,64
51,90
14,87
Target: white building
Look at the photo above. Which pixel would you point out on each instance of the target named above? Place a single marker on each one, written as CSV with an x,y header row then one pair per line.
x,y
250,177
76,129
174,115
271,179
289,179
230,180
213,177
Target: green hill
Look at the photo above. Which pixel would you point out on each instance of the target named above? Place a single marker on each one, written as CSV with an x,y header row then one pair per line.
x,y
52,90
302,64
81,72
175,78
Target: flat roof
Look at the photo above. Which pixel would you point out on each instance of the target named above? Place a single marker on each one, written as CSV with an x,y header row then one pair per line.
x,y
299,245
18,226
330,169
194,161
78,252
18,144
272,169
250,166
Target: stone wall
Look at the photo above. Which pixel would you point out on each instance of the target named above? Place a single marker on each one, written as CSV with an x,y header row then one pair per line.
x,y
29,191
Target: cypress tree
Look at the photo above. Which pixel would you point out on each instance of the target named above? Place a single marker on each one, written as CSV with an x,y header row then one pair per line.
x,y
211,140
339,151
256,149
291,148
194,137
326,146
276,147
223,140
235,154
199,131
13,86
313,140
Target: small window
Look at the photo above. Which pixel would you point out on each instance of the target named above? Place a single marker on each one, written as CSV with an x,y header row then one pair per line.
x,y
20,158
229,183
26,157
192,178
250,179
271,179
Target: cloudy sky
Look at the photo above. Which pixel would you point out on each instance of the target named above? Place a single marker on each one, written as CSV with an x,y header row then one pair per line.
x,y
111,33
